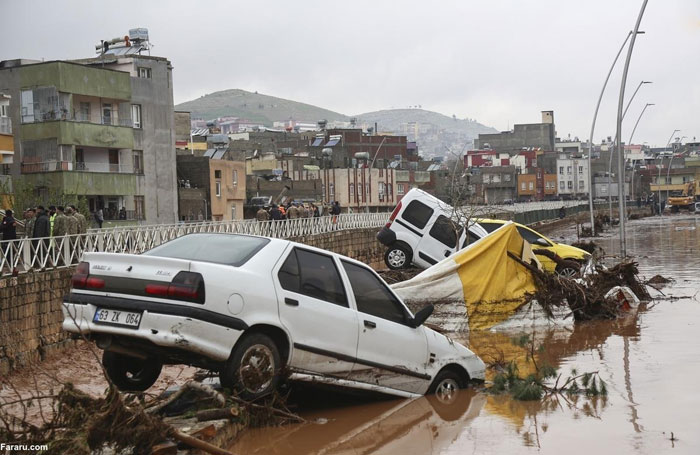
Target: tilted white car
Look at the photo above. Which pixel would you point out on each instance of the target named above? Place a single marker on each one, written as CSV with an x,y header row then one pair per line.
x,y
254,309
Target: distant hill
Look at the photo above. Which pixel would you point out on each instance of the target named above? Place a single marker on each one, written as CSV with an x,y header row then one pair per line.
x,y
435,131
255,107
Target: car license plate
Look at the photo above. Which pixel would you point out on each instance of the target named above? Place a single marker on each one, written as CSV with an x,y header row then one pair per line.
x,y
117,317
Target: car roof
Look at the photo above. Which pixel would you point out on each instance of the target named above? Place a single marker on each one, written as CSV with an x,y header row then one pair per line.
x,y
283,243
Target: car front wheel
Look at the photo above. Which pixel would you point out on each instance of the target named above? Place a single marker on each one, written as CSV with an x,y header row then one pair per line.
x,y
130,374
253,370
568,269
397,257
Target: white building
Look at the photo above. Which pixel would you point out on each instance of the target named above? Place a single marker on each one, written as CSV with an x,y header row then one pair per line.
x,y
572,176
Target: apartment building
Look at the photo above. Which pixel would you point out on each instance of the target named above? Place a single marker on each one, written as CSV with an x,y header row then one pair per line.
x,y
572,175
101,127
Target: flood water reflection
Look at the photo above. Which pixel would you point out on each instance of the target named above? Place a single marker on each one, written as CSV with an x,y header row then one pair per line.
x,y
649,361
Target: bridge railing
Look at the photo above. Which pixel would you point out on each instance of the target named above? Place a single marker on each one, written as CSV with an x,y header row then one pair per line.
x,y
24,255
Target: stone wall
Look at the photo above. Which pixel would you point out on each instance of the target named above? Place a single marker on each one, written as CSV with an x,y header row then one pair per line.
x,y
31,316
360,244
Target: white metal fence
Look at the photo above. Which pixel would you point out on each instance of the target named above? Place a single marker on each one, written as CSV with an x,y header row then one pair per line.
x,y
23,255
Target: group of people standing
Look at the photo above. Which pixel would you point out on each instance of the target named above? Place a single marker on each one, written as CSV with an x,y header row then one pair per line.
x,y
38,222
295,210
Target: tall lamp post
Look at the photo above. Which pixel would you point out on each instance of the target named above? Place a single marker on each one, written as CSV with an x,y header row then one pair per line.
x,y
630,142
595,116
658,179
618,150
668,172
620,157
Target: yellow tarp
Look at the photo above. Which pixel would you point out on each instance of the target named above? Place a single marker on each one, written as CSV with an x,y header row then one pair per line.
x,y
493,283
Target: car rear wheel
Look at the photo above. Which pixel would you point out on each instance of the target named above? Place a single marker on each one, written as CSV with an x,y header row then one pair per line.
x,y
397,257
253,370
131,374
568,269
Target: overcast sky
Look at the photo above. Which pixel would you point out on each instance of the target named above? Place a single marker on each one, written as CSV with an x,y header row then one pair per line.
x,y
497,61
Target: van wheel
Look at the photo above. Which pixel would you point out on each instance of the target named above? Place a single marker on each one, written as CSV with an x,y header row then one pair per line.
x,y
130,374
568,269
397,257
253,370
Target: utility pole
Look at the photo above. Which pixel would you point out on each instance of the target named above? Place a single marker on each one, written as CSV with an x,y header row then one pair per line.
x,y
620,157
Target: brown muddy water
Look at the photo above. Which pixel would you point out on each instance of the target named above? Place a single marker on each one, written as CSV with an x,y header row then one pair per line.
x,y
650,362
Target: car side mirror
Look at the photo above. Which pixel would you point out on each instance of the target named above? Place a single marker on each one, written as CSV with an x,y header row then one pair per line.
x,y
542,242
422,315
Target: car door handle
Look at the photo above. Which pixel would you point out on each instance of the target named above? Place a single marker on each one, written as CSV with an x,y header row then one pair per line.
x,y
370,324
291,302
447,253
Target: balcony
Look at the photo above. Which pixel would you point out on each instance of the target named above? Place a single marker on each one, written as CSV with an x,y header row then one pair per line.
x,y
79,166
5,125
77,133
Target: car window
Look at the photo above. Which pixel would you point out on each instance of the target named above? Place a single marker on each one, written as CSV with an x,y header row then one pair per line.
x,y
314,275
489,227
446,231
229,249
528,235
372,296
417,214
470,238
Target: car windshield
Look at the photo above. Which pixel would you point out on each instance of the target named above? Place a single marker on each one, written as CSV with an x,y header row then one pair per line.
x,y
227,249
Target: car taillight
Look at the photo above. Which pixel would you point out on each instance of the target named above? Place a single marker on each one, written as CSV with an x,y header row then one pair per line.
x,y
81,279
187,286
393,214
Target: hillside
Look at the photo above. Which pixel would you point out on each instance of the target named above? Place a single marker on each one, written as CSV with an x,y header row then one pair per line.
x,y
433,131
255,107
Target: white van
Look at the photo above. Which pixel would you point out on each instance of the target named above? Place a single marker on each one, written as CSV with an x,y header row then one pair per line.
x,y
421,231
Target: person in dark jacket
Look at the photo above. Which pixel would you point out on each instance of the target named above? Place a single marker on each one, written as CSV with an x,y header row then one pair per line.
x,y
8,226
275,213
42,226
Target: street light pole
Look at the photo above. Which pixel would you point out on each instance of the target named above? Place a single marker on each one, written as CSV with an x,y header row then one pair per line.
x,y
595,116
658,179
620,157
630,143
668,172
618,150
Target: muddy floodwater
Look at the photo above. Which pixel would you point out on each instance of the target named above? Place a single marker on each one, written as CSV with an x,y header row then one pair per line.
x,y
650,362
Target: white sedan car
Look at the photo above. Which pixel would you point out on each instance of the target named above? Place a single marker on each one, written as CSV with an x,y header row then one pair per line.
x,y
254,309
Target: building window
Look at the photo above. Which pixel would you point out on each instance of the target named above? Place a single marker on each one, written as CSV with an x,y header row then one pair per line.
x,y
562,185
107,114
506,177
532,186
400,189
136,115
568,170
217,174
388,188
3,111
352,192
570,185
581,184
235,177
522,186
218,189
233,212
138,161
84,112
331,189
139,208
144,73
580,169
561,170
366,188
382,187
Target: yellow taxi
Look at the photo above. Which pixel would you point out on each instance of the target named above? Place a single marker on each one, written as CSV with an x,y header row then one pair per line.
x,y
575,257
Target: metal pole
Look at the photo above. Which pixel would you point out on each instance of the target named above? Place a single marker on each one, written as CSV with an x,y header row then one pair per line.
x,y
668,173
620,158
658,179
618,150
590,148
630,143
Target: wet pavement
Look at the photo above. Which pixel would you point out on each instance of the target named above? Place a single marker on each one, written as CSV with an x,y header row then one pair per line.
x,y
649,361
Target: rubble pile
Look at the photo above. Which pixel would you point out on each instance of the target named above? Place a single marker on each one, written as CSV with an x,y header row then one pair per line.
x,y
586,297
